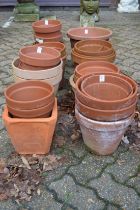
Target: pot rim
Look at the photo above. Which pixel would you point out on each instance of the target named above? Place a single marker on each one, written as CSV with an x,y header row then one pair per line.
x,y
40,36
107,102
107,111
83,37
28,102
53,45
97,122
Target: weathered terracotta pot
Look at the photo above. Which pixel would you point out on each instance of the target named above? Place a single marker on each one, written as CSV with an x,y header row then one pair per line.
x,y
57,45
44,111
104,88
34,136
78,58
90,33
103,138
39,56
91,67
93,47
47,26
36,75
105,115
51,37
112,105
29,95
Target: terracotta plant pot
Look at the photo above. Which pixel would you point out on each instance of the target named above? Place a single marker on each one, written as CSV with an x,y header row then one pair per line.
x,y
78,58
37,75
29,95
57,45
92,67
103,138
34,136
125,102
39,56
93,47
105,115
41,112
111,88
51,37
47,26
90,33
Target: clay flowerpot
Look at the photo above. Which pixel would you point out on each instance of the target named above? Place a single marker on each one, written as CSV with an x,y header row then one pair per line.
x,y
92,67
29,95
51,37
103,138
112,105
47,26
34,136
39,56
57,45
36,75
90,33
105,115
104,88
93,47
41,112
79,58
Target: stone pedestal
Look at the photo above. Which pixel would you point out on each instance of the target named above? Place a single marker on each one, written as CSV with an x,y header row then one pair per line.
x,y
26,12
129,6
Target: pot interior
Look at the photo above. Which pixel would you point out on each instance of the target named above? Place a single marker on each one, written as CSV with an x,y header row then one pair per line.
x,y
106,91
29,93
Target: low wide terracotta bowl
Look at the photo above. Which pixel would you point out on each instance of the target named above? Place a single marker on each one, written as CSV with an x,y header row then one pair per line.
x,y
36,75
79,58
111,105
93,47
40,112
57,45
92,67
90,33
104,88
105,115
46,26
39,56
51,37
29,94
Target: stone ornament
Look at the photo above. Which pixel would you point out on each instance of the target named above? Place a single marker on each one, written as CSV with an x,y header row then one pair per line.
x,y
89,10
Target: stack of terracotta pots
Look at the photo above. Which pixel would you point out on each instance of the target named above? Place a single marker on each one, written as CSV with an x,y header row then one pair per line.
x,y
47,31
93,50
40,63
105,106
92,67
30,116
88,33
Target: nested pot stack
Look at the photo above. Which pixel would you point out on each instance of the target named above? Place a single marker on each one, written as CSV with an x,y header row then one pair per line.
x,y
103,101
93,50
40,62
47,31
88,33
92,67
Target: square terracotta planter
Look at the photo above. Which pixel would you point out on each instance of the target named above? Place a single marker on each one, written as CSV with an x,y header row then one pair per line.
x,y
31,136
